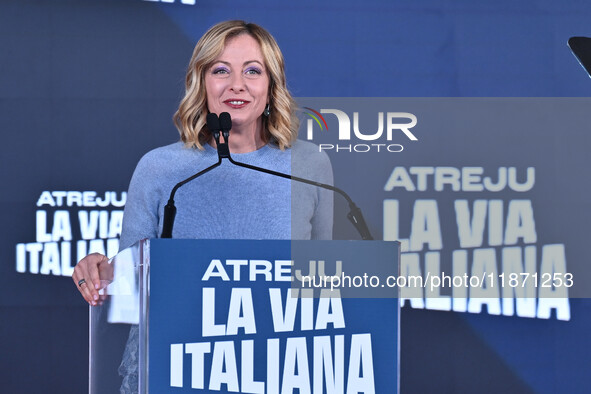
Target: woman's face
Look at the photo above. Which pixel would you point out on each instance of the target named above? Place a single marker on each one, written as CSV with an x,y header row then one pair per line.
x,y
238,83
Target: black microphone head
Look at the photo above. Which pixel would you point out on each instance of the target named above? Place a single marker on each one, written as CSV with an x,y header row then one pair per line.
x,y
225,121
213,122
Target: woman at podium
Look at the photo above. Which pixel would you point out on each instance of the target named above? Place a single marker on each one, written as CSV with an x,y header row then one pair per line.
x,y
236,67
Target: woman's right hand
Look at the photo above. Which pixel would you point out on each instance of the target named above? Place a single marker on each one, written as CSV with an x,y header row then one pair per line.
x,y
88,274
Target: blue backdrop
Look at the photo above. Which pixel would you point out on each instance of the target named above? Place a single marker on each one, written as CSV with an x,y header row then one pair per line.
x,y
87,87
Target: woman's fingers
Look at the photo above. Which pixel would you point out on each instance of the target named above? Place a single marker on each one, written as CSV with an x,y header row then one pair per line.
x,y
79,278
86,276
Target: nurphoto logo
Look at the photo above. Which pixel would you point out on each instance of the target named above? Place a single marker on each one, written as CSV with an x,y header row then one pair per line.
x,y
391,125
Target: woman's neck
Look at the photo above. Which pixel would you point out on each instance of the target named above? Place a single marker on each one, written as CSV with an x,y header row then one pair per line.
x,y
243,140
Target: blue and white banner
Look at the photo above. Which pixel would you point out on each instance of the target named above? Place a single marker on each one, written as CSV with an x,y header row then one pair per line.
x,y
223,317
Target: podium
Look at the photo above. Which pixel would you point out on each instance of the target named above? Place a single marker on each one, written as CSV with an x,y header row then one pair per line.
x,y
249,317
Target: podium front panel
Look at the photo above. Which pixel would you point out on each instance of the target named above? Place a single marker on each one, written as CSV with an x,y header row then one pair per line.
x,y
223,317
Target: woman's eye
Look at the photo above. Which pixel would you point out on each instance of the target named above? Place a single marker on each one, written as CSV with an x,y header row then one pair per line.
x,y
253,71
220,70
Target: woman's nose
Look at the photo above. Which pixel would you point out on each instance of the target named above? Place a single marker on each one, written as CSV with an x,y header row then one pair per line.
x,y
237,82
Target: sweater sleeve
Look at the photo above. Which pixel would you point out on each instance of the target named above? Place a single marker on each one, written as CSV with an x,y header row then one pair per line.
x,y
141,214
310,163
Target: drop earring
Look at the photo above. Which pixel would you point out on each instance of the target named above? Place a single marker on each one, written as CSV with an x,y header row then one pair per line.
x,y
267,110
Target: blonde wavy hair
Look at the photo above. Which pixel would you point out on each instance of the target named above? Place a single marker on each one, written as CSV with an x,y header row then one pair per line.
x,y
280,127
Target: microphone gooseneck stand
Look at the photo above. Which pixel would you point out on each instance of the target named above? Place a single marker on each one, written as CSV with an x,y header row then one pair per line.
x,y
170,209
224,124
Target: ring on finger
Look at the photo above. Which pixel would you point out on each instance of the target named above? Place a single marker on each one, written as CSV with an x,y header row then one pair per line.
x,y
81,282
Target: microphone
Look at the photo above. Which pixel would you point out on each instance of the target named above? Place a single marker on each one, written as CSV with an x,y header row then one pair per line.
x,y
213,124
224,124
